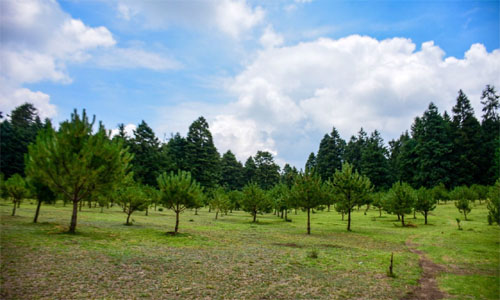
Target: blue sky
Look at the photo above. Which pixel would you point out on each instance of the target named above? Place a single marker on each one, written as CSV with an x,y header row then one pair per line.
x,y
267,75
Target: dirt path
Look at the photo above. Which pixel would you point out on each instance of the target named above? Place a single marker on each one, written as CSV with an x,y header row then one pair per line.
x,y
427,288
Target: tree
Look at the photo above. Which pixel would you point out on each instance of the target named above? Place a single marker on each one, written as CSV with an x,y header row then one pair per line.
x,y
231,172
147,163
374,163
401,198
330,154
255,200
267,171
250,171
425,202
352,189
463,197
15,188
288,176
307,192
490,137
176,150
467,140
493,203
280,195
74,162
202,156
132,198
354,148
16,135
42,193
311,162
403,158
432,148
219,201
439,192
179,191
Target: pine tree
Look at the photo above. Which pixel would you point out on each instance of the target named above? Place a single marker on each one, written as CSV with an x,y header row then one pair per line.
x,y
255,201
374,163
267,171
75,162
202,156
15,188
146,163
467,140
311,162
176,151
288,176
432,148
231,172
401,199
250,171
330,154
490,127
308,193
354,149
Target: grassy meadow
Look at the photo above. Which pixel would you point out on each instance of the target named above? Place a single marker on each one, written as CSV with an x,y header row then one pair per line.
x,y
233,258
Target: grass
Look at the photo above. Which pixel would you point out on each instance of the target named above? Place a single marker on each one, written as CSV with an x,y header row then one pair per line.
x,y
236,259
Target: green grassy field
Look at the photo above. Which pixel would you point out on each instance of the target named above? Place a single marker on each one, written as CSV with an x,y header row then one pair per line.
x,y
232,258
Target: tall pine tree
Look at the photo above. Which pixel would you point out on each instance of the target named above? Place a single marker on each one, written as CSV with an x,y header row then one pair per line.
x,y
231,172
330,154
490,127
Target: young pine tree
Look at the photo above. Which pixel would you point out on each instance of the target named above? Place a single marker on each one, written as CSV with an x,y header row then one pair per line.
x,y
402,199
16,189
425,202
255,201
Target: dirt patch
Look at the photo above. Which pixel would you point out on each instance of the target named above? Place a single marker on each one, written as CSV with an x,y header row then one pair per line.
x,y
427,288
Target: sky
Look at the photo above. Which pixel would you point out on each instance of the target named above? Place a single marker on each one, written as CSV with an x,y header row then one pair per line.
x,y
267,75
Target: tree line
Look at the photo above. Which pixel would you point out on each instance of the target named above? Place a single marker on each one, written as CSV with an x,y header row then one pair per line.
x,y
77,164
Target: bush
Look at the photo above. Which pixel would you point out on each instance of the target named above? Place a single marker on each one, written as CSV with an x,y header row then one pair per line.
x,y
314,253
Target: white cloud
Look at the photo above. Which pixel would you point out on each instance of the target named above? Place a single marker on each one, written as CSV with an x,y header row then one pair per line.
x,y
347,83
39,40
232,17
12,99
270,38
129,130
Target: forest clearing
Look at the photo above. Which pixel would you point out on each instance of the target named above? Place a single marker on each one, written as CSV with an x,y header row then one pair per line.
x,y
233,258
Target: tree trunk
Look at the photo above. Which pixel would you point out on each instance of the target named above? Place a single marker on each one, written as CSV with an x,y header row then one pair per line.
x,y
128,218
254,216
380,211
72,226
403,220
147,210
367,208
342,216
81,204
399,217
465,215
195,211
349,220
286,214
176,221
37,211
14,209
328,207
102,208
155,206
414,214
425,216
90,204
308,221
282,213
19,204
216,214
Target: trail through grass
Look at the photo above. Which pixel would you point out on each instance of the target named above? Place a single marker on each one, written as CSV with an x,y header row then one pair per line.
x,y
232,258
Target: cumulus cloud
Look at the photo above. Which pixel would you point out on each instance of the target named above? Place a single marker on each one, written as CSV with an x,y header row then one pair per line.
x,y
129,130
270,38
232,17
347,83
39,40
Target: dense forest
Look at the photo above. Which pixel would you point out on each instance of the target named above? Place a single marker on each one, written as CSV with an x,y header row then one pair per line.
x,y
440,152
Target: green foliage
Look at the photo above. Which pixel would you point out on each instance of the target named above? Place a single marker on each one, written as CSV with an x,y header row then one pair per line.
x,y
433,147
490,137
267,171
74,162
493,203
288,176
201,154
374,163
439,192
148,162
132,198
354,148
220,202
401,199
255,200
16,135
352,189
330,154
16,189
308,193
311,162
235,197
463,197
231,172
250,171
425,202
179,191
